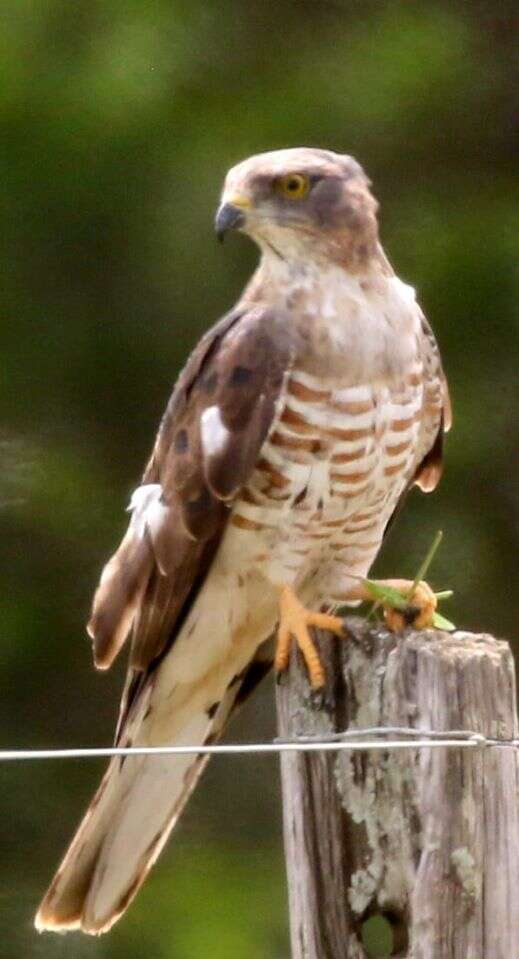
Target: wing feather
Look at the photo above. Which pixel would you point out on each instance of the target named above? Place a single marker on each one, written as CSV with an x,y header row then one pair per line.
x,y
430,470
209,440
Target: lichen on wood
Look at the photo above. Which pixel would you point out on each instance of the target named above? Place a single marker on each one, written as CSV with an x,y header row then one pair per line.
x,y
428,838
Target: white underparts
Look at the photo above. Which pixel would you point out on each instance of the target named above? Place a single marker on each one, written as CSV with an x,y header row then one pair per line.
x,y
214,434
330,474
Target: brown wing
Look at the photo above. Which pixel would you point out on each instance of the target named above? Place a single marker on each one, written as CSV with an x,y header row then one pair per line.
x,y
208,442
429,472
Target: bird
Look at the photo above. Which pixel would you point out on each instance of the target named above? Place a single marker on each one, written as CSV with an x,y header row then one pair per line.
x,y
296,428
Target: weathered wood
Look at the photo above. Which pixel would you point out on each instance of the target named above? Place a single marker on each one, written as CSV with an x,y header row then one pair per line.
x,y
429,838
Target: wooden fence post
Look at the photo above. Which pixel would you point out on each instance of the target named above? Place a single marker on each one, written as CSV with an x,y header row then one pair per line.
x,y
427,838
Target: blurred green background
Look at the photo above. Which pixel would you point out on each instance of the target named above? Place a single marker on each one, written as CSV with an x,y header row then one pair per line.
x,y
119,122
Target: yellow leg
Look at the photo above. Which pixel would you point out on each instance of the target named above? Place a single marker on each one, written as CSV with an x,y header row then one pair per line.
x,y
294,620
421,608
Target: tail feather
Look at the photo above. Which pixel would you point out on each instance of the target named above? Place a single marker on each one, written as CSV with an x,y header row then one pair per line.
x,y
117,598
125,828
142,826
186,700
62,906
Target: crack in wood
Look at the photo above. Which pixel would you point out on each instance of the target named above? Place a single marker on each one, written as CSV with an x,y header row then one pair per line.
x,y
427,838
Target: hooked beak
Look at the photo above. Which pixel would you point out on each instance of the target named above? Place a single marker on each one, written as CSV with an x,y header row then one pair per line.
x,y
230,216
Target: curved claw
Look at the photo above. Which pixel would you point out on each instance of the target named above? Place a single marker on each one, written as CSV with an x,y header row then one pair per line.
x,y
294,622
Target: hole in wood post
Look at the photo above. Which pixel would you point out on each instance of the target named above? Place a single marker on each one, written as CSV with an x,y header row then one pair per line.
x,y
377,937
384,934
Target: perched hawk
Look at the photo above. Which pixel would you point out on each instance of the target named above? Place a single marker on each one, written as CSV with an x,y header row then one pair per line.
x,y
297,425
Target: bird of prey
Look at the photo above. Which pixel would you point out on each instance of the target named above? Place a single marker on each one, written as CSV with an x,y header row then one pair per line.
x,y
297,425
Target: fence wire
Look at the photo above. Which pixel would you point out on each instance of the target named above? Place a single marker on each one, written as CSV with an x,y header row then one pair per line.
x,y
353,740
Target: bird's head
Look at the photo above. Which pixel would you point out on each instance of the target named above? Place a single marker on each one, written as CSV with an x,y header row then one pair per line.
x,y
302,202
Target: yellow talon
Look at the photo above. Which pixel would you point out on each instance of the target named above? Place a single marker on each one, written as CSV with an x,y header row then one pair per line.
x,y
294,620
421,608
421,603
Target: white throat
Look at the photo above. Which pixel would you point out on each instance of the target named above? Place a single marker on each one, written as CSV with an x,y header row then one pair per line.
x,y
366,324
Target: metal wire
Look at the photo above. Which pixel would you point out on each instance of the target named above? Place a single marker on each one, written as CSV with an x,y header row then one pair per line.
x,y
352,740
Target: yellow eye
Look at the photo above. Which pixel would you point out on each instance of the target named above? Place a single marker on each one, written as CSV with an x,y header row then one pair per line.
x,y
294,186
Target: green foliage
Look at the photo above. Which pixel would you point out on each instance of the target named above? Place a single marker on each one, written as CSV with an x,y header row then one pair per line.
x,y
224,901
441,622
389,596
119,121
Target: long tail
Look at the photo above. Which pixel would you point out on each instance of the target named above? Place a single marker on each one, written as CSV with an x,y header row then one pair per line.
x,y
129,821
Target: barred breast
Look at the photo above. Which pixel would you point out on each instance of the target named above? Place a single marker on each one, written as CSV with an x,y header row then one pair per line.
x,y
330,474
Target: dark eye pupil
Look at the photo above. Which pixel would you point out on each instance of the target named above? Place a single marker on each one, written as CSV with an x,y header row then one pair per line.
x,y
293,184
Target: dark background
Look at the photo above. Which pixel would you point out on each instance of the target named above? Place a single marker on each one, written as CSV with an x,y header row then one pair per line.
x,y
119,122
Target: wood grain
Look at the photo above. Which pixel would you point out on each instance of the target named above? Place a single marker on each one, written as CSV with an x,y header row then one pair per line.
x,y
427,838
